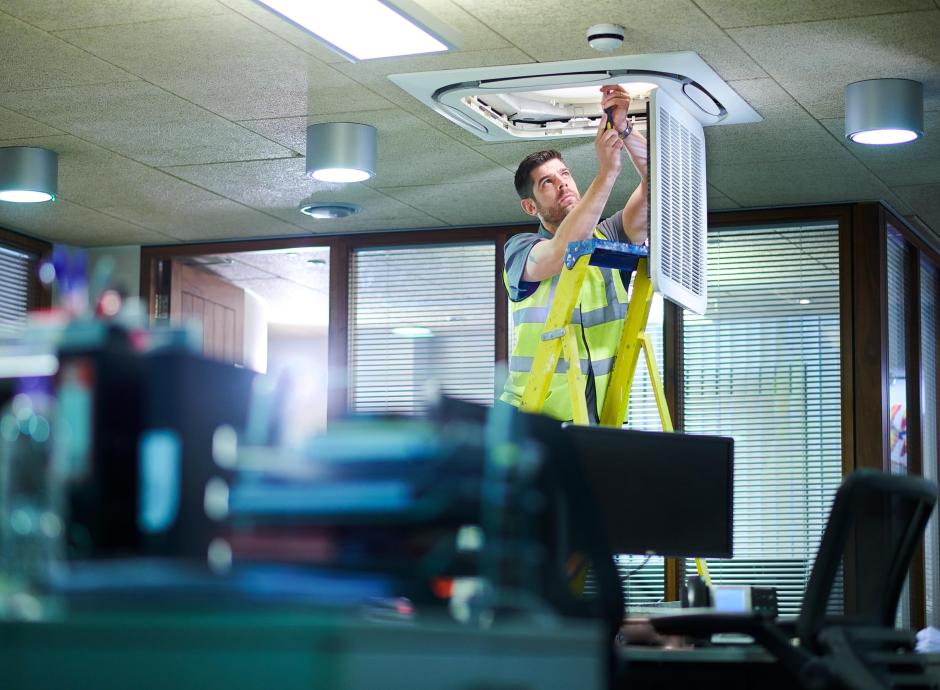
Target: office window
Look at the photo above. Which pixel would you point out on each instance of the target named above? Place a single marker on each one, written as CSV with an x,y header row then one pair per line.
x,y
762,366
928,416
420,315
15,266
898,291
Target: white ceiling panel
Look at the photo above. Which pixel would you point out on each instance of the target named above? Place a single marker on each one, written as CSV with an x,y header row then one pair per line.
x,y
16,126
558,31
52,15
924,201
185,119
814,61
917,162
760,12
278,187
466,203
32,59
226,64
810,180
64,221
143,122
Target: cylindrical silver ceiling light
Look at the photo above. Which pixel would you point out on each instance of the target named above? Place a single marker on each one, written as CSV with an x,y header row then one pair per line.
x,y
341,151
884,111
28,174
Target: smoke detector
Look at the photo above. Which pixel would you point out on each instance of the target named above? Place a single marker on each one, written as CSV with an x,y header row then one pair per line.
x,y
551,100
605,36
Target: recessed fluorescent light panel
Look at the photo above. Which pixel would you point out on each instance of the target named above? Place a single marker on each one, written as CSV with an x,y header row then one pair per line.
x,y
366,29
553,100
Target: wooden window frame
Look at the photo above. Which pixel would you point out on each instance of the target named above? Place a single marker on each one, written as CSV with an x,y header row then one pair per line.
x,y
863,323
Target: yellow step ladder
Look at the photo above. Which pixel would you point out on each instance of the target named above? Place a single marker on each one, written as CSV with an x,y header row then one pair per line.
x,y
559,339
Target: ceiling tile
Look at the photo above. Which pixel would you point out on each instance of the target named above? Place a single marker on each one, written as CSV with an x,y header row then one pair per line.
x,y
278,186
274,23
307,266
228,266
924,201
466,203
227,64
555,32
16,126
122,188
758,12
71,14
221,219
805,181
432,156
917,162
374,75
63,221
718,201
32,59
814,61
143,122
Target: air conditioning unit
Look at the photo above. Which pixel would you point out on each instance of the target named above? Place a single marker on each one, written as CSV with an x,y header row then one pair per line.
x,y
673,97
561,99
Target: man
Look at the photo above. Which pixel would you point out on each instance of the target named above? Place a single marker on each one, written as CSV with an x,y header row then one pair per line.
x,y
534,260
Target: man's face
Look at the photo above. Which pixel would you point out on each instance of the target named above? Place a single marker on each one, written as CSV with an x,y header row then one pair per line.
x,y
554,191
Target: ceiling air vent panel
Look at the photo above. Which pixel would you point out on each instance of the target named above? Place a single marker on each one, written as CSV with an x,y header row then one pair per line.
x,y
678,209
562,99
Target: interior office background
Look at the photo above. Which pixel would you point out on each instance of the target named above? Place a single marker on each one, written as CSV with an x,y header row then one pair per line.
x,y
817,353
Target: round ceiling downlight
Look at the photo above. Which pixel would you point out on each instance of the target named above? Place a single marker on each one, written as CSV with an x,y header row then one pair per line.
x,y
328,210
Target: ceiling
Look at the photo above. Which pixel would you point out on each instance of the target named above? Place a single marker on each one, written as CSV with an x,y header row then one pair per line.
x,y
184,120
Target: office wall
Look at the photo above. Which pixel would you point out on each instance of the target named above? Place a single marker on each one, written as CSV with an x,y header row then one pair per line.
x,y
126,265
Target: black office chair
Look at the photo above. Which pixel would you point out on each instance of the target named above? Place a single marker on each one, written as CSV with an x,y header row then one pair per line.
x,y
889,514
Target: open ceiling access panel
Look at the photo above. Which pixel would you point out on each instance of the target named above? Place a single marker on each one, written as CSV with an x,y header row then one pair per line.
x,y
673,96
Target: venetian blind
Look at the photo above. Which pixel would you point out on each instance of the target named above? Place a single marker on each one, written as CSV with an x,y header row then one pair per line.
x,y
928,416
419,315
762,366
14,289
898,329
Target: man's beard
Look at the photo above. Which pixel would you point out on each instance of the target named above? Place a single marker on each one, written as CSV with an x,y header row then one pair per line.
x,y
554,214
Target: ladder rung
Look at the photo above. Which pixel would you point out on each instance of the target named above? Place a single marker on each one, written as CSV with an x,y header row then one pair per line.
x,y
606,254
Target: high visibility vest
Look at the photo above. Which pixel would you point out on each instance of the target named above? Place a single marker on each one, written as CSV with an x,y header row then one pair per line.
x,y
597,320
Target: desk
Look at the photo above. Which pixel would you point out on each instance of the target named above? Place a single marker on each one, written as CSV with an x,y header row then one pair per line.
x,y
265,650
729,667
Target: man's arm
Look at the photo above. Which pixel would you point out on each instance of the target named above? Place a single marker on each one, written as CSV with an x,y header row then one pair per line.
x,y
636,210
547,257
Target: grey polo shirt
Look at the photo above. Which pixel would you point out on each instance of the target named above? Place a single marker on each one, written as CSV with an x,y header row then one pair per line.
x,y
517,248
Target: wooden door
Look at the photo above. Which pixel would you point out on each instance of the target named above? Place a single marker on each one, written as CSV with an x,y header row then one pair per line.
x,y
217,304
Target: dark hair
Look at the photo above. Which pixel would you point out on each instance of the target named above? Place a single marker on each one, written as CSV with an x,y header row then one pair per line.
x,y
523,180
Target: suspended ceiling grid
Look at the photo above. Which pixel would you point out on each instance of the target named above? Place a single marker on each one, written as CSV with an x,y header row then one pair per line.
x,y
183,120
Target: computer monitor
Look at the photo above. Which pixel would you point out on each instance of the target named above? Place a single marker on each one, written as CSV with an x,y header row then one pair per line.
x,y
668,494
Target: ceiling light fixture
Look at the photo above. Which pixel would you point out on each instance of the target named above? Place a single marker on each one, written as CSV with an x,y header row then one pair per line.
x,y
884,111
28,174
341,151
366,29
328,210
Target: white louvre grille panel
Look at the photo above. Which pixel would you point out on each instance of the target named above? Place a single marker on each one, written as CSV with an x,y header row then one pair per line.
x,y
420,315
678,208
14,290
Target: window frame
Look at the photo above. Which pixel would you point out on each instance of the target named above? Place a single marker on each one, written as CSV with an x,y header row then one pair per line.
x,y
862,304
